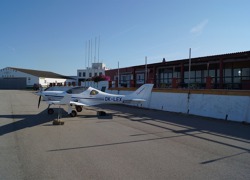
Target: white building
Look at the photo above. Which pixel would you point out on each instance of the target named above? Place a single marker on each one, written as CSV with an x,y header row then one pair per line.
x,y
17,78
97,69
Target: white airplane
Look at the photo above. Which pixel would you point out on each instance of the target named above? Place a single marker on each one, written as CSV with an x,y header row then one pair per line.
x,y
80,96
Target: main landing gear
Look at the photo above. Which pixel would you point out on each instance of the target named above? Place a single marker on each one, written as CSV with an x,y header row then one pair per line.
x,y
79,108
72,113
50,111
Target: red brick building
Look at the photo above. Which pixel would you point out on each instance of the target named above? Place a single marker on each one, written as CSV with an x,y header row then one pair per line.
x,y
225,71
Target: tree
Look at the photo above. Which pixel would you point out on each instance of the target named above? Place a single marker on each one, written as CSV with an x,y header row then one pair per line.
x,y
96,79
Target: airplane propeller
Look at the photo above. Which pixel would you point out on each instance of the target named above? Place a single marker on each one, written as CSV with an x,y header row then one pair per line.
x,y
39,101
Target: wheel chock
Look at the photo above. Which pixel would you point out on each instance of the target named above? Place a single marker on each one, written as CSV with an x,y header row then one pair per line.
x,y
58,122
101,113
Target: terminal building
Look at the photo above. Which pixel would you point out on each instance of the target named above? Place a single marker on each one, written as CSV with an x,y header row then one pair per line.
x,y
97,69
17,78
224,71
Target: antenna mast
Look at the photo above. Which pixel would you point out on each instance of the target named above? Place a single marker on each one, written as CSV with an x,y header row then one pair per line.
x,y
95,50
86,54
89,54
98,48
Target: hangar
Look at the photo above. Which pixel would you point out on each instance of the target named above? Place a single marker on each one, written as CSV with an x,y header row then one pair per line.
x,y
17,78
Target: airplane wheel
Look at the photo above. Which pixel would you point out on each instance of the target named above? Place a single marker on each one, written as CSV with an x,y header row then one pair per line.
x,y
50,111
73,113
78,108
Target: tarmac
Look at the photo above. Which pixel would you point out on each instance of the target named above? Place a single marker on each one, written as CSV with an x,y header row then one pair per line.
x,y
127,143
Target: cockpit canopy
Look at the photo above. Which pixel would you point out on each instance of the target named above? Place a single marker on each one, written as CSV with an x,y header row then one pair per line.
x,y
94,92
76,90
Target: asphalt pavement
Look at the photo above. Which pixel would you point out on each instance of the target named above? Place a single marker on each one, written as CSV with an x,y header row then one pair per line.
x,y
128,143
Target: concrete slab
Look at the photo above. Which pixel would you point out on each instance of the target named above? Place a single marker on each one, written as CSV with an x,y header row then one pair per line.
x,y
130,143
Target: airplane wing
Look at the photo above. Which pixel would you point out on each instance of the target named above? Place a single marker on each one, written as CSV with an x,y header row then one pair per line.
x,y
65,100
70,102
53,102
78,104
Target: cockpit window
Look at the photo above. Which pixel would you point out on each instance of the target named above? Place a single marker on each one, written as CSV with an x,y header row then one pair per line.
x,y
93,92
76,90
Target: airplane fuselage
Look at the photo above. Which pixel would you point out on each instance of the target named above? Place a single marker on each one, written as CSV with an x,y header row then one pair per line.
x,y
81,96
88,97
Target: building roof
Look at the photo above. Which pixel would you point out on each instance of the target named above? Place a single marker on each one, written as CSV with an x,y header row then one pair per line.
x,y
38,73
221,56
235,55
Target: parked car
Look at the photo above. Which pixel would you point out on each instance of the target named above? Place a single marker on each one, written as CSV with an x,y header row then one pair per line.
x,y
37,86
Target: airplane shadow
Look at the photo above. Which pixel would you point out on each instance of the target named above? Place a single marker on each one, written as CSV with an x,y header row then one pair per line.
x,y
190,125
96,116
104,116
22,121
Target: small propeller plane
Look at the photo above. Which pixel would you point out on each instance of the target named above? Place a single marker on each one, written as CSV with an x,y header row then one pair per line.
x,y
81,96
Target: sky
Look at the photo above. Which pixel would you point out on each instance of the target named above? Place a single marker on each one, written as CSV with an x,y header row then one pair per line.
x,y
56,35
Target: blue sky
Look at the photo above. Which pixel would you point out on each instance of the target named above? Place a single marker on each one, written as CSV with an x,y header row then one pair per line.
x,y
51,35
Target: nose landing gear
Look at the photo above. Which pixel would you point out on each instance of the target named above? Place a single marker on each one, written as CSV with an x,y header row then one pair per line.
x,y
73,113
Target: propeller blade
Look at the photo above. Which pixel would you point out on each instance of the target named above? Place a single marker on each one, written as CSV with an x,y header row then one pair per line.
x,y
39,101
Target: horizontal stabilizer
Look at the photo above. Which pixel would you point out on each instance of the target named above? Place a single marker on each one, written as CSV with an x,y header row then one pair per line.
x,y
134,101
138,100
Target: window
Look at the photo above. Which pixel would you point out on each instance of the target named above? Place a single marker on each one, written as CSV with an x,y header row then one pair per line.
x,y
140,78
237,75
90,74
227,72
93,92
228,75
198,76
83,74
177,74
80,74
166,75
245,73
192,76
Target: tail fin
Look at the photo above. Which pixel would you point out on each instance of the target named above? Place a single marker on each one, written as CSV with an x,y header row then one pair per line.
x,y
142,93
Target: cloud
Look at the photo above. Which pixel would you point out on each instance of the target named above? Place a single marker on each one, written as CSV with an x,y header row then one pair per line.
x,y
199,27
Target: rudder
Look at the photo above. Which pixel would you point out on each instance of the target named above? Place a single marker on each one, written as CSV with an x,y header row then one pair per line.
x,y
142,92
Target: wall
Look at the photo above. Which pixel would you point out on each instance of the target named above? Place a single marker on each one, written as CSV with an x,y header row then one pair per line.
x,y
89,70
235,108
226,107
47,81
11,73
12,83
